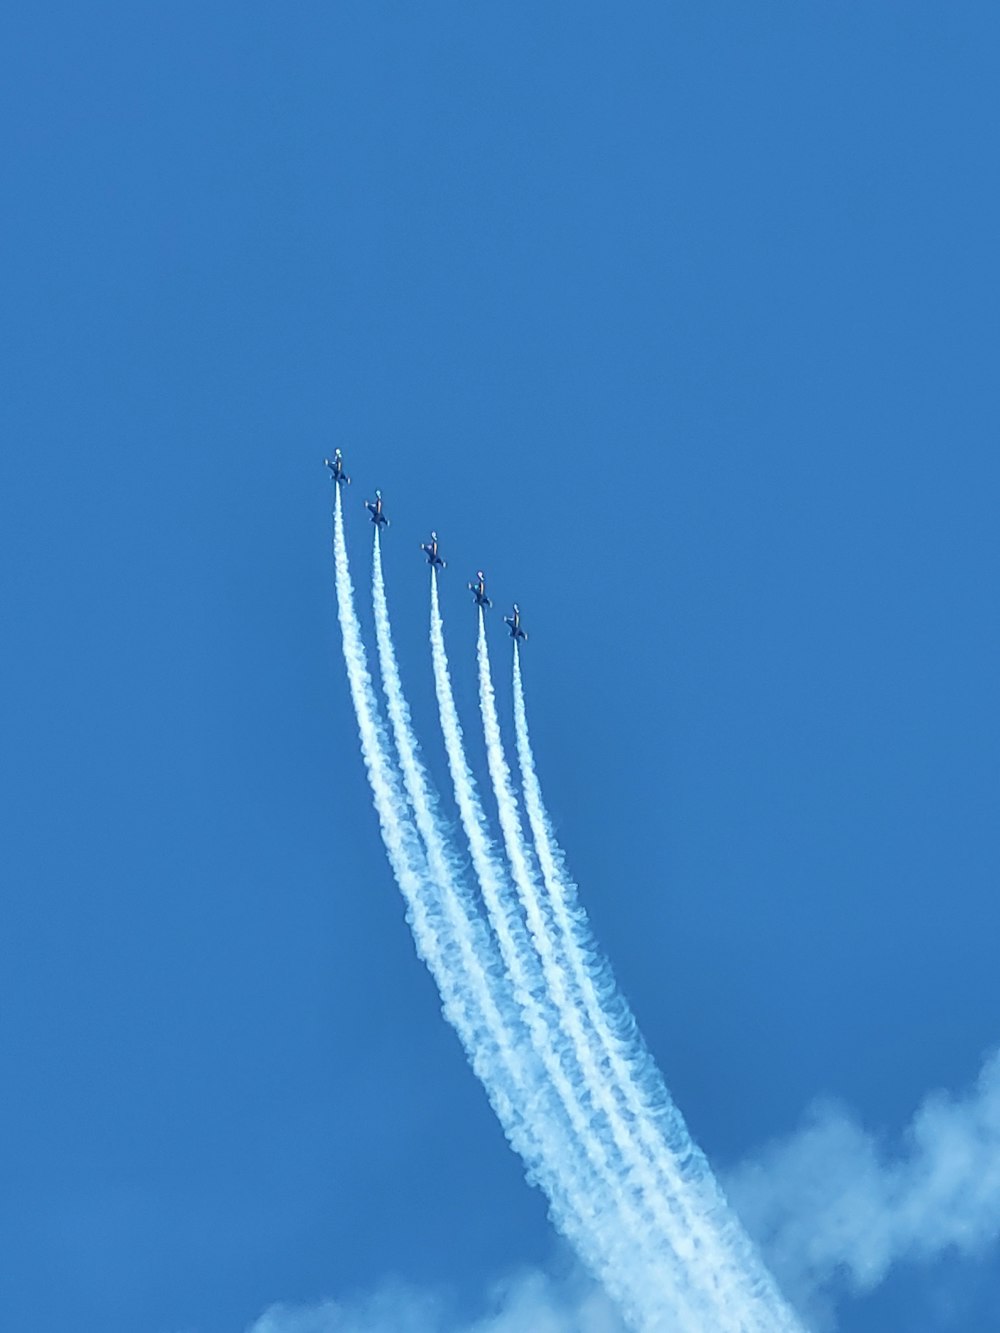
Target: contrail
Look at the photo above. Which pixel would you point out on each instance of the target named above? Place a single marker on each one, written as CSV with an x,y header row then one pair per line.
x,y
464,943
489,1023
613,1246
653,1125
637,1082
406,856
610,1135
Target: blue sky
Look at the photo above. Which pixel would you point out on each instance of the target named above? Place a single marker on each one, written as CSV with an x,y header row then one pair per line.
x,y
681,323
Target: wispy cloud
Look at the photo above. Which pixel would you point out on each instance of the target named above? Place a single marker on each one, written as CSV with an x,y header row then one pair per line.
x,y
834,1205
530,1301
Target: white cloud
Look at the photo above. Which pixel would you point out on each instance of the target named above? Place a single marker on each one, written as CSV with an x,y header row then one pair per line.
x,y
394,1308
831,1205
530,1302
534,1301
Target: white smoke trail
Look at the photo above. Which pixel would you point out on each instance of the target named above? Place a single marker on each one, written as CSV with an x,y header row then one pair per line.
x,y
636,1079
489,1023
481,1027
655,1122
612,1245
610,1136
724,1285
406,856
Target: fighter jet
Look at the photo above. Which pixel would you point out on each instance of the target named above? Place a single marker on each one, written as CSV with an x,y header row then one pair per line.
x,y
478,589
336,466
430,549
514,624
374,507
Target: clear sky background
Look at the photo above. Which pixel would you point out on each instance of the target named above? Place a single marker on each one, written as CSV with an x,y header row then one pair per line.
x,y
681,321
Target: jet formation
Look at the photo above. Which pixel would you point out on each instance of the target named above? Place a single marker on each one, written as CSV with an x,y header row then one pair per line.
x,y
429,549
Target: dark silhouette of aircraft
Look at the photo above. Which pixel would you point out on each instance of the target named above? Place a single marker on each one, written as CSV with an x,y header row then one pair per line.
x,y
514,624
374,507
336,466
430,549
478,589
